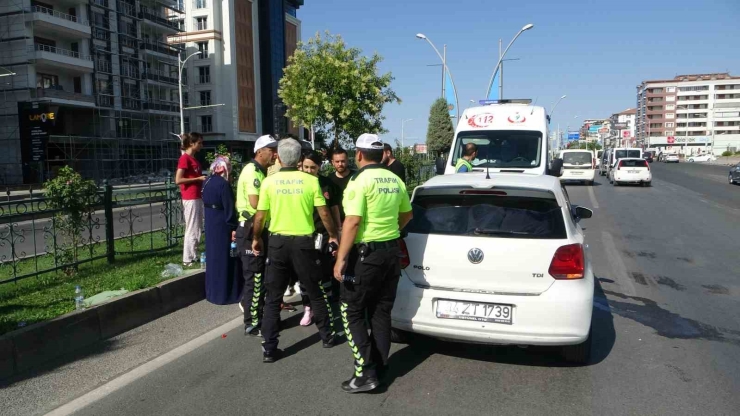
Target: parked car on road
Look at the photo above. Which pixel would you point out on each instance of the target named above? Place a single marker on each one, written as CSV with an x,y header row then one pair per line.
x,y
648,156
734,176
670,158
497,261
702,158
578,165
631,170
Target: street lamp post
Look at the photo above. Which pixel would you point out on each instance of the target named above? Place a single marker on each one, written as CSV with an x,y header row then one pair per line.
x,y
8,74
501,58
444,64
180,66
403,122
552,110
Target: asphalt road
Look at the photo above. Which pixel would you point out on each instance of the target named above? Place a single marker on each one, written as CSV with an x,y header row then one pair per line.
x,y
666,337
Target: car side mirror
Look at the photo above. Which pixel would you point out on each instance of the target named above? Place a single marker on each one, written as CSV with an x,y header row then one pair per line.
x,y
582,213
556,168
439,165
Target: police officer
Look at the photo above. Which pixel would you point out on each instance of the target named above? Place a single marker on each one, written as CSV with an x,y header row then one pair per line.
x,y
376,206
253,267
470,152
289,198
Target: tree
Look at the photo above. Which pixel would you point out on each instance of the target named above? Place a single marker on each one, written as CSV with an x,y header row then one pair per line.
x,y
440,130
335,89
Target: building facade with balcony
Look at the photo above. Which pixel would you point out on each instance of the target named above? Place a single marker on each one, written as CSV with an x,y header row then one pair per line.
x,y
237,50
690,114
623,127
106,72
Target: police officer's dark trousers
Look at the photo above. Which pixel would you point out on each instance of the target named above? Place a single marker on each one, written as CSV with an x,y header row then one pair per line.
x,y
253,271
372,294
286,255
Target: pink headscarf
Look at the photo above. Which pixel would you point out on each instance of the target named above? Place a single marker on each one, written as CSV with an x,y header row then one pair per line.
x,y
221,166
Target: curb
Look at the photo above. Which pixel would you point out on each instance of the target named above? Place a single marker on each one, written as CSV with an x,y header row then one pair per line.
x,y
27,348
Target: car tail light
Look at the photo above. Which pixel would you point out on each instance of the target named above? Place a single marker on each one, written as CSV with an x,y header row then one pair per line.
x,y
647,165
568,262
593,163
405,259
619,165
482,192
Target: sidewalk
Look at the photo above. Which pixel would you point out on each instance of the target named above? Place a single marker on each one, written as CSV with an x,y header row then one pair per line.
x,y
726,161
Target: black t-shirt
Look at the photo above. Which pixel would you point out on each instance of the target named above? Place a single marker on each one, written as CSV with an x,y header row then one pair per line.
x,y
399,169
333,197
341,184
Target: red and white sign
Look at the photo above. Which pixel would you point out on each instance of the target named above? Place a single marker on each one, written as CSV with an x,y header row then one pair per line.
x,y
670,139
604,130
481,120
517,118
626,134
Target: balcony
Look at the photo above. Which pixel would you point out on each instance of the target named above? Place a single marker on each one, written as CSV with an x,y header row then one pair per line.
x,y
59,96
160,49
128,103
59,22
164,106
149,16
51,55
127,9
160,76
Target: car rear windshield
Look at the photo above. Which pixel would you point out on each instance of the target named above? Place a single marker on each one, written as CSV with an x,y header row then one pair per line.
x,y
577,158
634,164
621,154
488,216
501,148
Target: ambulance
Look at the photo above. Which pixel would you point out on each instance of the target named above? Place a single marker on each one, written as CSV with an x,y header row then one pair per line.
x,y
511,136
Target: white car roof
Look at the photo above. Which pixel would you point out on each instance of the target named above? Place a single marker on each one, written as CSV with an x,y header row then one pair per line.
x,y
631,158
576,150
508,180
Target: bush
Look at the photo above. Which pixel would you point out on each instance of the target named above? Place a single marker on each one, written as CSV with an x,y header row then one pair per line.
x,y
727,153
76,198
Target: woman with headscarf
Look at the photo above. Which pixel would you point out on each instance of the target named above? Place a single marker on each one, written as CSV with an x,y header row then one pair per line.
x,y
223,280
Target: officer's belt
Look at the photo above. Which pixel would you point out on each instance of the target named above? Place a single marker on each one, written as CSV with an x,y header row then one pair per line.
x,y
291,236
214,206
382,245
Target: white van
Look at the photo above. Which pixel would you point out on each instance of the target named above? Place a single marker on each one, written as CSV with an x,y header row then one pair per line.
x,y
578,165
511,136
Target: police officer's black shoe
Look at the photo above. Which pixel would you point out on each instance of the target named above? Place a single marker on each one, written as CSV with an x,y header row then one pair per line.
x,y
333,341
360,384
271,357
252,330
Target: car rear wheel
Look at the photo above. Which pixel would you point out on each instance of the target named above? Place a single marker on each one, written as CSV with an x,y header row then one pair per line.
x,y
579,353
732,181
691,160
590,183
615,183
646,184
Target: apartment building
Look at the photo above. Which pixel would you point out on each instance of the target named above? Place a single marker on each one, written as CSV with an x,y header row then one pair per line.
x,y
623,127
236,51
105,80
690,114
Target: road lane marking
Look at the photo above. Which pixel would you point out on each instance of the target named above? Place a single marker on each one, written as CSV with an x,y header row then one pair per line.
x,y
592,197
617,264
144,369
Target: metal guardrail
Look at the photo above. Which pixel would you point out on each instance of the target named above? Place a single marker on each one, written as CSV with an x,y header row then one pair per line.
x,y
59,51
60,15
142,219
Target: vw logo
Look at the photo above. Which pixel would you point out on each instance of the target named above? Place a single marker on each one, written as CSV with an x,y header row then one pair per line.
x,y
475,255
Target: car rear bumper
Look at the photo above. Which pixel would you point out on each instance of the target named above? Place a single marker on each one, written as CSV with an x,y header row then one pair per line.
x,y
634,178
559,316
584,175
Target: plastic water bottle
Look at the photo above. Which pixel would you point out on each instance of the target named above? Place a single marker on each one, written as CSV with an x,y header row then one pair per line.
x,y
79,298
233,251
203,260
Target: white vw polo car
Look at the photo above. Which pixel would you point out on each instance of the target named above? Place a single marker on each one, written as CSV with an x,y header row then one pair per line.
x,y
497,261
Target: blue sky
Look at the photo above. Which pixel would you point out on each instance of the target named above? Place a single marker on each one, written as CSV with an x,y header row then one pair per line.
x,y
595,51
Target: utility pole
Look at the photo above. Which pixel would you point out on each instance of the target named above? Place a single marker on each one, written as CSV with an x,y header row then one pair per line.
x,y
500,73
444,68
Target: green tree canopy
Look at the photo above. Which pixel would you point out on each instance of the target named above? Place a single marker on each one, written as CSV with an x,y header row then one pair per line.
x,y
440,130
335,89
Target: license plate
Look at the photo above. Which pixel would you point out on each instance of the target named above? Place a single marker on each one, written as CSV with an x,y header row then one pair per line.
x,y
575,172
474,311
633,171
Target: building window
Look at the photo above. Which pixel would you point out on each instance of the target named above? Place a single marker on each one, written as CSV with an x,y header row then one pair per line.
x,y
180,23
669,124
46,81
199,4
670,98
670,116
187,123
670,89
669,133
201,23
204,74
203,48
185,99
205,98
670,107
206,124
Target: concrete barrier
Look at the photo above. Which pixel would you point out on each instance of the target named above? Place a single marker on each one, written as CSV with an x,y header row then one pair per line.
x,y
26,348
